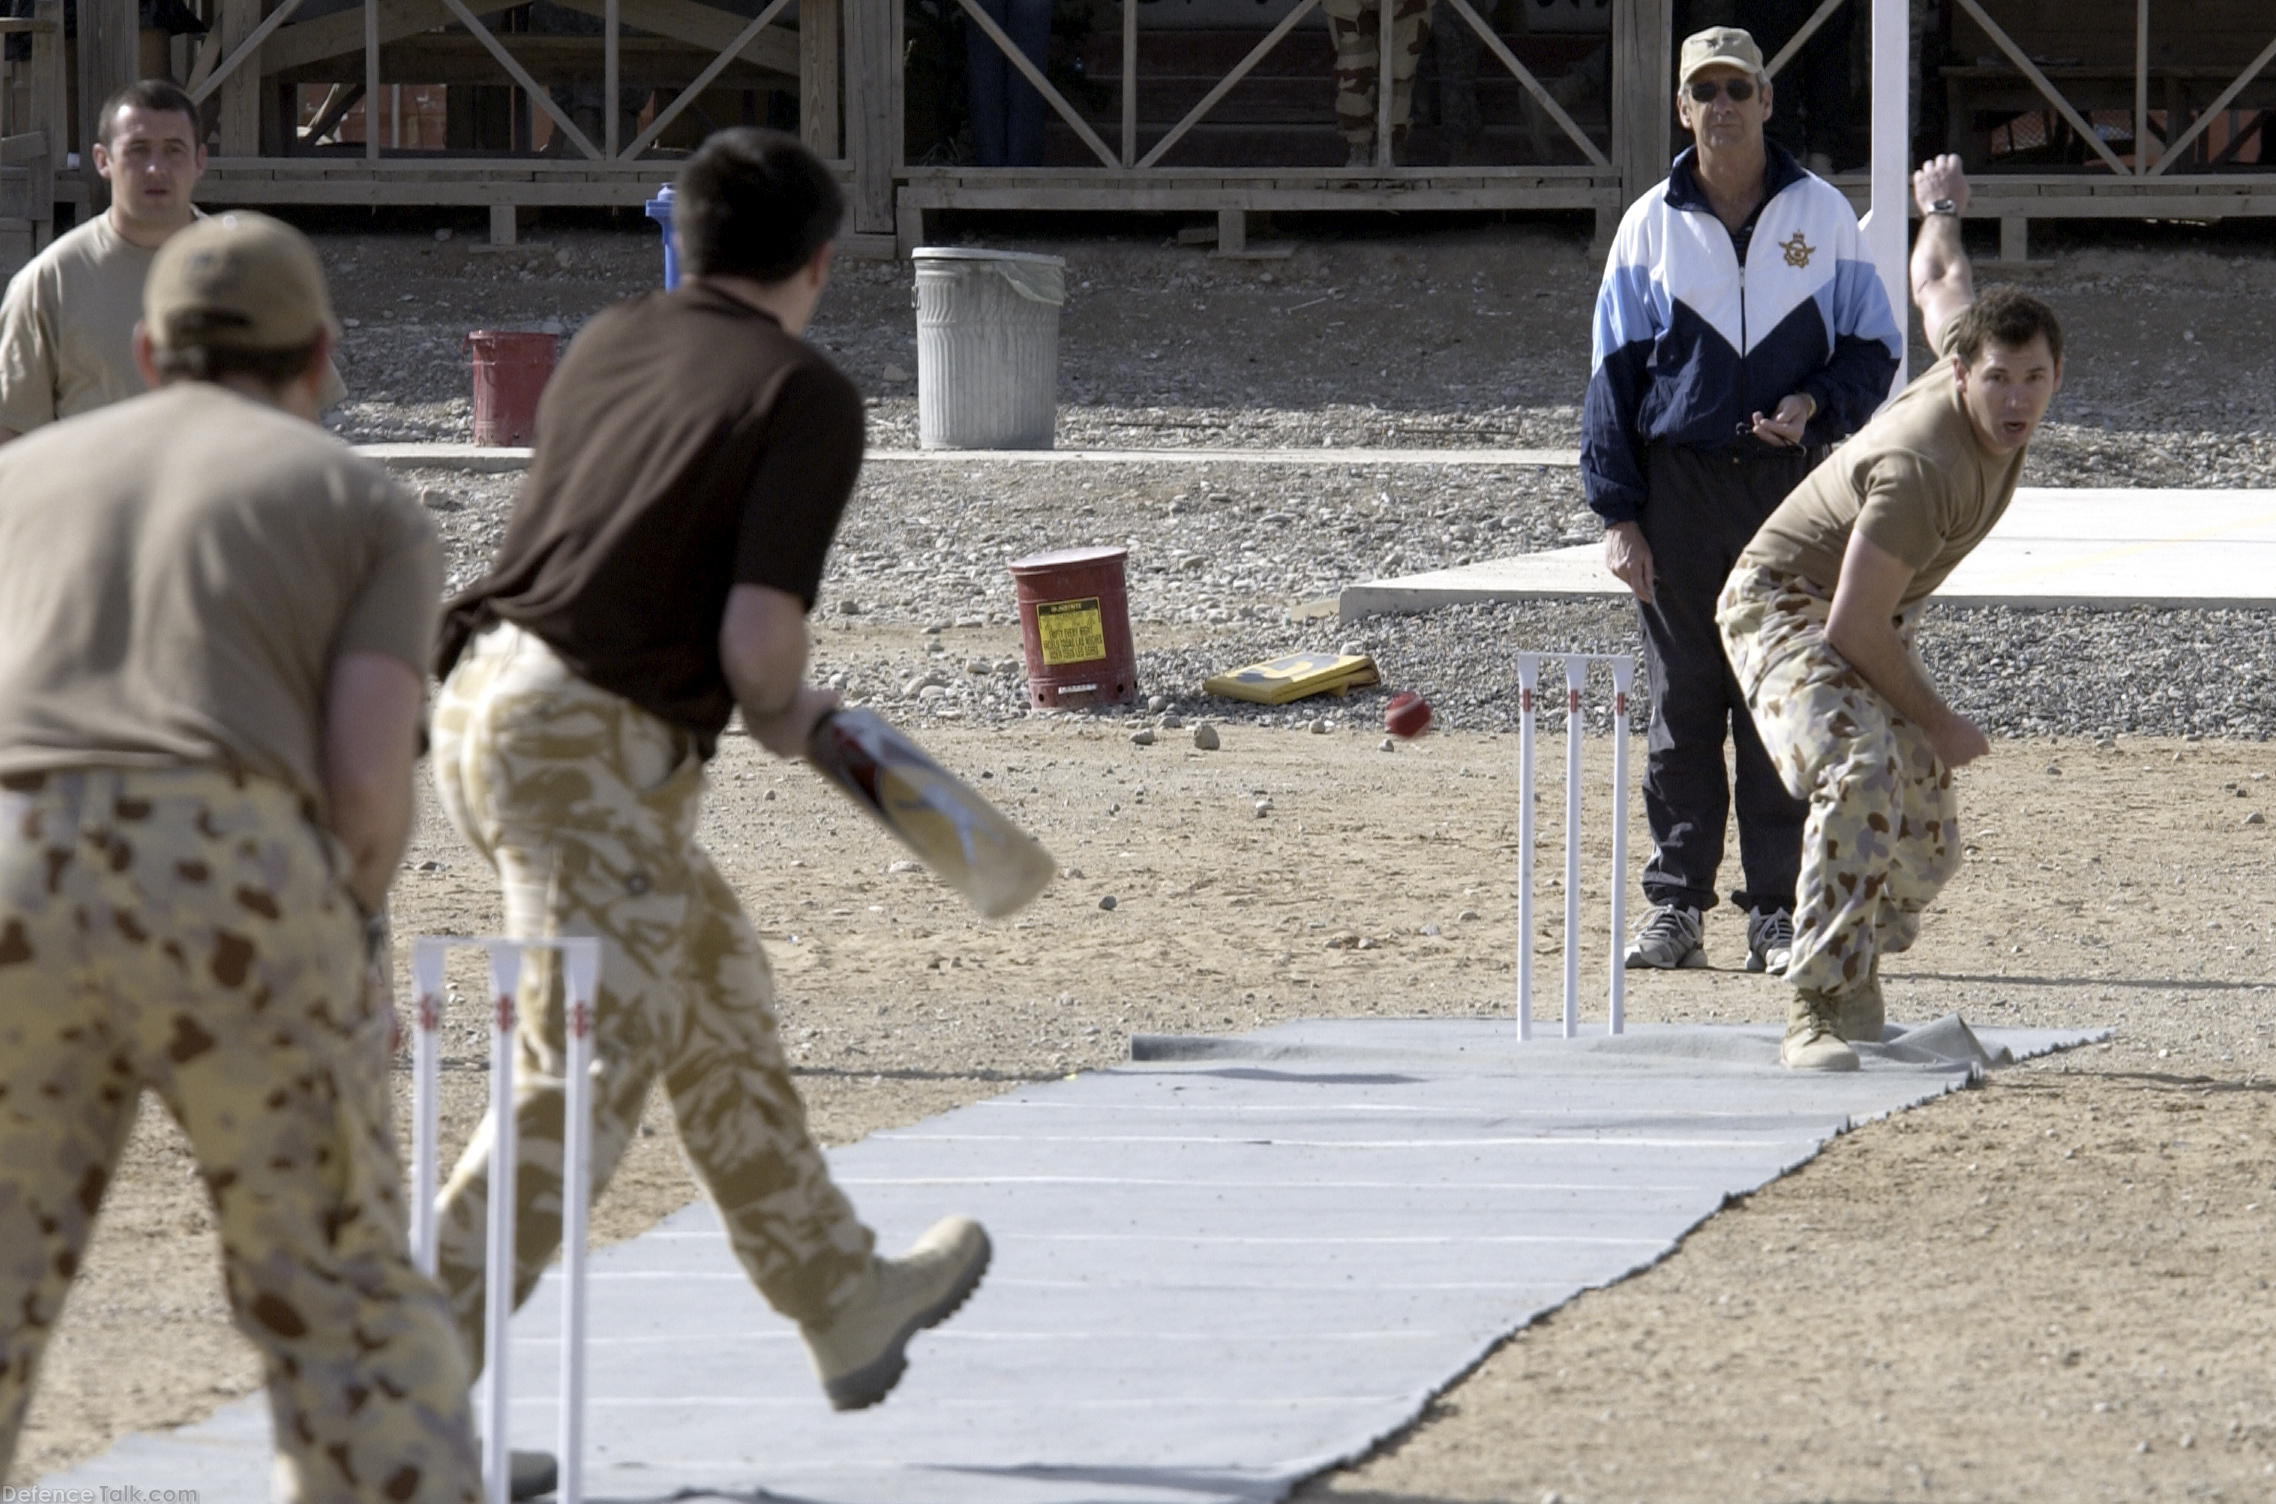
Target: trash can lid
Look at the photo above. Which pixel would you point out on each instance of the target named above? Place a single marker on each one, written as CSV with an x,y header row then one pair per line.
x,y
980,253
1059,558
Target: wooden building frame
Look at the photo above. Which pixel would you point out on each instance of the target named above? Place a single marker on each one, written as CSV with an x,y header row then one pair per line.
x,y
859,125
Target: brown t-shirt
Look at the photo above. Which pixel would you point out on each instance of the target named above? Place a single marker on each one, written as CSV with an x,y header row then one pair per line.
x,y
1915,481
177,573
686,445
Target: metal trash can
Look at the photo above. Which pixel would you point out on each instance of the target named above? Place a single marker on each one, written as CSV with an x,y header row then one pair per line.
x,y
987,347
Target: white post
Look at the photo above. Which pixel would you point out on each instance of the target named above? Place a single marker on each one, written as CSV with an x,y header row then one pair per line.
x,y
1623,679
1886,224
498,1275
1576,675
1528,680
426,1089
581,960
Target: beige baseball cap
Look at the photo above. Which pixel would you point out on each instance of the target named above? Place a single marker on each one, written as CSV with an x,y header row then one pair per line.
x,y
1725,45
238,280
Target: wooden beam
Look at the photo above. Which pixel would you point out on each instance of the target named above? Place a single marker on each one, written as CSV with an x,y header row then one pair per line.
x,y
1795,43
2142,88
538,95
50,111
1036,80
612,80
711,70
818,76
371,80
2205,118
873,78
1524,75
2054,96
1643,92
1224,86
705,26
241,50
1129,82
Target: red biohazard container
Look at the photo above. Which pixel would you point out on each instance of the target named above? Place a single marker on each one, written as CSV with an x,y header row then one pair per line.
x,y
1074,621
510,372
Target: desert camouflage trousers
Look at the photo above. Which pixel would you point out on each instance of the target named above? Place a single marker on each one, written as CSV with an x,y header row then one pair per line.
x,y
586,806
186,930
1356,26
1882,837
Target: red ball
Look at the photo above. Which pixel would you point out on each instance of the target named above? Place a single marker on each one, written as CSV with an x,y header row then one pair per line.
x,y
1407,715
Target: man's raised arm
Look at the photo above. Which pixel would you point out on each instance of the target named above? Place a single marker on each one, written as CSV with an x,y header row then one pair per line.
x,y
1942,281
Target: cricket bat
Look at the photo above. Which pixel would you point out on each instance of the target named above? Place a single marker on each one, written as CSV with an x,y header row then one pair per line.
x,y
966,841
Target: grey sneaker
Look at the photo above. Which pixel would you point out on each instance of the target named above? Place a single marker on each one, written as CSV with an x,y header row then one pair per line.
x,y
531,1475
1770,940
1668,941
861,1350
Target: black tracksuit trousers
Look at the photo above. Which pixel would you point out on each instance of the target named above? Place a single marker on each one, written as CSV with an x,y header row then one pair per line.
x,y
1702,509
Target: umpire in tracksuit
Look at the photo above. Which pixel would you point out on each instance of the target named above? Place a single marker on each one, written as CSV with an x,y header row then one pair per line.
x,y
1740,333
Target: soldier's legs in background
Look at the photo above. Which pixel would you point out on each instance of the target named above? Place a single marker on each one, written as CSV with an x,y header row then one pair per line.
x,y
1353,26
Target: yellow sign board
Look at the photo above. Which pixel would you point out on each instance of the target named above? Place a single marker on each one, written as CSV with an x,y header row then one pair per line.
x,y
1279,680
1070,631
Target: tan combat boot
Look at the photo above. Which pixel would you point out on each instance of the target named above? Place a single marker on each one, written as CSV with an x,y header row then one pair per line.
x,y
859,1351
1813,1036
1862,1013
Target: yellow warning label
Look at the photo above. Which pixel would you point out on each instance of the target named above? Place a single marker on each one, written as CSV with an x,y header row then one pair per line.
x,y
1070,631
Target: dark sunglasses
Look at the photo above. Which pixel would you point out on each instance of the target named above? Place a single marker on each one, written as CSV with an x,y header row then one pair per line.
x,y
1704,90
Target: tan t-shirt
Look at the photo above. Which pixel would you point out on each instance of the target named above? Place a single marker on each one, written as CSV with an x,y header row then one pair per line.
x,y
177,574
1915,481
67,329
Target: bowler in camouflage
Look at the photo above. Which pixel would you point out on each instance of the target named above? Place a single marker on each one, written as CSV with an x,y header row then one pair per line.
x,y
213,618
1818,621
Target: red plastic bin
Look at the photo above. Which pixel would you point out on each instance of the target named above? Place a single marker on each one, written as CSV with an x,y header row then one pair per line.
x,y
510,372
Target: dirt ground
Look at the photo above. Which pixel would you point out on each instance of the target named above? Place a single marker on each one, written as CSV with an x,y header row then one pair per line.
x,y
2053,1287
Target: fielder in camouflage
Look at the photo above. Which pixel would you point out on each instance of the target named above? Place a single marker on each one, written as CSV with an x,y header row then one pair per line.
x,y
1356,26
586,805
186,930
1881,840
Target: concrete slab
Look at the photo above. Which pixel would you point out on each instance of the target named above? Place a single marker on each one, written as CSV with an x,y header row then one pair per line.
x,y
2111,548
1219,1269
480,460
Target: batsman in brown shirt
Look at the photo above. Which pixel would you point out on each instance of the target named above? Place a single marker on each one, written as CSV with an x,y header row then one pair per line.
x,y
693,456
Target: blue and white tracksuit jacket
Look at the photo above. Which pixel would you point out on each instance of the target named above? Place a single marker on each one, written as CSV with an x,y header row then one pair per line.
x,y
1689,345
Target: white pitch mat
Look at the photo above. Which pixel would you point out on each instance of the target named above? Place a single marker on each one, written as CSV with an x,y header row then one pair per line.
x,y
2199,549
1219,1269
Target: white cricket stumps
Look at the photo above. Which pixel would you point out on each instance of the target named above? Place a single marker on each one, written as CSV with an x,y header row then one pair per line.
x,y
1576,679
581,965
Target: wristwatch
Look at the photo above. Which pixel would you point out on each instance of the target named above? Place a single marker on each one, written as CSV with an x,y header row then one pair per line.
x,y
1945,206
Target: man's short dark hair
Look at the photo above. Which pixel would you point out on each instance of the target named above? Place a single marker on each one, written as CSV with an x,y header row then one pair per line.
x,y
2004,315
157,96
753,203
270,368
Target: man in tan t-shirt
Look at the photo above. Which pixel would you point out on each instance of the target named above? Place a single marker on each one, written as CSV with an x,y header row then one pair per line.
x,y
214,620
1817,620
67,322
